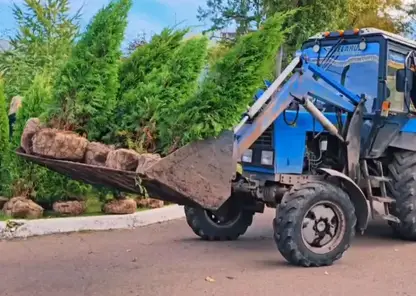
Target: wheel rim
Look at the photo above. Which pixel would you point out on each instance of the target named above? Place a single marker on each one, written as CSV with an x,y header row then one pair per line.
x,y
323,227
231,217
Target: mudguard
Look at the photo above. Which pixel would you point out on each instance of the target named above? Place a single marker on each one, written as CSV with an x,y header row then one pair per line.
x,y
358,198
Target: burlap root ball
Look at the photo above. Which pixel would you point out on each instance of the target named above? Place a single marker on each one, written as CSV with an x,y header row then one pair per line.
x,y
120,207
123,159
149,203
32,126
22,208
57,144
96,154
71,208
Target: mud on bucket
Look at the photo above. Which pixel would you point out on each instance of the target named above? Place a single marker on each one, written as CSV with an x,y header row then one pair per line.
x,y
201,171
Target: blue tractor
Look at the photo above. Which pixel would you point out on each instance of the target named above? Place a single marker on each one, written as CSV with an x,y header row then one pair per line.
x,y
330,144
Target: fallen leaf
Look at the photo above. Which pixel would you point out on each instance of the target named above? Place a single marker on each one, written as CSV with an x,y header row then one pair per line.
x,y
209,279
230,277
326,272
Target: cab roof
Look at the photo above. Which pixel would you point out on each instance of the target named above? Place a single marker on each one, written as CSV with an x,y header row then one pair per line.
x,y
367,32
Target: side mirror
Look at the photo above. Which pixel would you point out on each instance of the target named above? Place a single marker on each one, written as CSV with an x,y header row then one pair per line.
x,y
400,80
401,76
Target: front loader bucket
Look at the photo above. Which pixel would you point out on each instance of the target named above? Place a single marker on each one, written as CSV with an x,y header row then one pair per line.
x,y
197,174
201,171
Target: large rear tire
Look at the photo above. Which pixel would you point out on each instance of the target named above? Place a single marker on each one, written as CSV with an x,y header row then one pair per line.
x,y
305,222
402,171
230,226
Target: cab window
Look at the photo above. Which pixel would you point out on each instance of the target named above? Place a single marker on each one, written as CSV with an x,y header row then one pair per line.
x,y
395,62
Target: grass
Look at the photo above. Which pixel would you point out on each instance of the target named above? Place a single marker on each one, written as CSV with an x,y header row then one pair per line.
x,y
93,209
3,217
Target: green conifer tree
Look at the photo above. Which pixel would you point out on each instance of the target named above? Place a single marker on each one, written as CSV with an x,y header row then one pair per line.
x,y
147,58
45,35
85,91
29,179
230,85
4,137
161,89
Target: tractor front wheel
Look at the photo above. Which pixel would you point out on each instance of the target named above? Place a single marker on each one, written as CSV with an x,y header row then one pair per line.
x,y
228,225
315,224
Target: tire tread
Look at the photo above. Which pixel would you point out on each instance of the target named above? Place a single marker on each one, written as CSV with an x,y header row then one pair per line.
x,y
402,171
288,213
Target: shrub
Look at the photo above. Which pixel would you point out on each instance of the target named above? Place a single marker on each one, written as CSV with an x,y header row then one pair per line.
x,y
44,39
230,85
146,59
4,137
29,179
149,57
85,91
146,121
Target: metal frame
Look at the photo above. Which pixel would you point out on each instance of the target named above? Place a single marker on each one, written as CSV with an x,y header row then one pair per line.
x,y
369,32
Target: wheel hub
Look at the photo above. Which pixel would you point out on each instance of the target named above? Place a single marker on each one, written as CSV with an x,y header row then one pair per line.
x,y
225,218
323,227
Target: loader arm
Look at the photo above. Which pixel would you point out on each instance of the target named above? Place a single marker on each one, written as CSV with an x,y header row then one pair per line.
x,y
303,83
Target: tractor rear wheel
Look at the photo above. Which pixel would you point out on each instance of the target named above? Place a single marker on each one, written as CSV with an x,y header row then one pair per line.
x,y
402,171
315,224
230,225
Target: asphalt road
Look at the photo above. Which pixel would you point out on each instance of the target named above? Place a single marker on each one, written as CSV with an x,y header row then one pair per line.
x,y
167,259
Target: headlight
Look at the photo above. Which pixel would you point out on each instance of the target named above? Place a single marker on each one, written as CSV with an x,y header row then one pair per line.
x,y
247,156
267,157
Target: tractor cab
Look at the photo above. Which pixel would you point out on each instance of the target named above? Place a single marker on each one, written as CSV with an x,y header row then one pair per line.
x,y
368,62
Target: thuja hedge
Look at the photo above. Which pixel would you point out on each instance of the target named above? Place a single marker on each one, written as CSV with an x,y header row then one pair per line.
x,y
146,61
149,57
144,123
230,85
85,92
4,136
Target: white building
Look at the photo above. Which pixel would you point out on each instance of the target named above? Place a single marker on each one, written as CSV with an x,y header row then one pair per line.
x,y
4,45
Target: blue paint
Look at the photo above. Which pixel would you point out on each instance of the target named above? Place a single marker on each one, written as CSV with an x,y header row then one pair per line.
x,y
410,126
290,141
314,88
361,77
338,86
260,92
280,103
258,169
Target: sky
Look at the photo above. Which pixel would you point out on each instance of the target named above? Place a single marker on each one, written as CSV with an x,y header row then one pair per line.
x,y
149,16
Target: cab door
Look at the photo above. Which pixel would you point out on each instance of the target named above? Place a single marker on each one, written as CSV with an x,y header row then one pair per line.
x,y
388,122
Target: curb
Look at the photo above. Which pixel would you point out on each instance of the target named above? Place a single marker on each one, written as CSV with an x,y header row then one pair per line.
x,y
27,228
